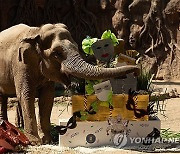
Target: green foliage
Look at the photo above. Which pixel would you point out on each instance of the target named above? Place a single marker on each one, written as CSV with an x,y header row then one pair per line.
x,y
109,100
83,115
86,45
168,134
21,129
144,80
156,105
89,86
162,97
94,106
109,35
54,134
59,90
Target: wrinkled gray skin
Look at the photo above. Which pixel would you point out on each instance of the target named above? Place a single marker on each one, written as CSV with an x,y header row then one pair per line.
x,y
31,60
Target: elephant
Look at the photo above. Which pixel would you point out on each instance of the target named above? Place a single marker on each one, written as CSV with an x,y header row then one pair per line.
x,y
32,59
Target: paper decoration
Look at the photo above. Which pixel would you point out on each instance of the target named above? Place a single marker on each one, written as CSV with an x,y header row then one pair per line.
x,y
71,124
123,84
136,106
103,50
152,136
102,90
91,134
143,132
117,125
89,86
87,134
143,128
107,35
125,60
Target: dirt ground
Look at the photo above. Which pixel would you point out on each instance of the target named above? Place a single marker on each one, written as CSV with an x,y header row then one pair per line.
x,y
170,120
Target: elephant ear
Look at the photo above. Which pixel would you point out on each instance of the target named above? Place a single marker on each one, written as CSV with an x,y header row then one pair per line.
x,y
28,48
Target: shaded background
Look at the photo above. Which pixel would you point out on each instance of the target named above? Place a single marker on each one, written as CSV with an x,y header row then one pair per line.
x,y
149,26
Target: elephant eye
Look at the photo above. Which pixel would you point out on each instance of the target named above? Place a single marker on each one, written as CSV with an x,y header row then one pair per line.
x,y
58,54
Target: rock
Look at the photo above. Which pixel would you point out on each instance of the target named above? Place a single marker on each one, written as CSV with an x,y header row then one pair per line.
x,y
12,100
173,93
156,93
62,99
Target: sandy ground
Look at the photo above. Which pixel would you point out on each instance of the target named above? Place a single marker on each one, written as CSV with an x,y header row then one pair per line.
x,y
170,120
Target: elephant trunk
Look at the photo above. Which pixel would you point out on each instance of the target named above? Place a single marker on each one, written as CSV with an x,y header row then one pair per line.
x,y
76,66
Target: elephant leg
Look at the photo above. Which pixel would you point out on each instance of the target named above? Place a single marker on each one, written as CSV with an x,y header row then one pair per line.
x,y
46,99
3,107
19,121
25,92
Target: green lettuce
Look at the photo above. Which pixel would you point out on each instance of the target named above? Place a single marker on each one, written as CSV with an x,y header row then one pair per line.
x,y
94,106
109,35
89,86
86,45
84,115
109,100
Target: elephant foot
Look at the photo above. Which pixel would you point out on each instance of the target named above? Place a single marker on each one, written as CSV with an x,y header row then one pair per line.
x,y
34,140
